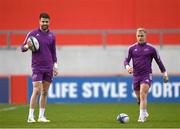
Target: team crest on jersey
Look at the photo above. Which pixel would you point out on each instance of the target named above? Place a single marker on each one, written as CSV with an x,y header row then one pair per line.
x,y
37,35
135,49
146,49
50,35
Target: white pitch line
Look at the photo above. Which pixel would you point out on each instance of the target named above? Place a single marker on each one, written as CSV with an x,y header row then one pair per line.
x,y
10,108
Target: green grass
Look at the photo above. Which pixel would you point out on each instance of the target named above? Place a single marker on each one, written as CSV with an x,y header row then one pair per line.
x,y
92,116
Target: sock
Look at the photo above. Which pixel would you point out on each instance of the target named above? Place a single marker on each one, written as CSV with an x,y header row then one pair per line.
x,y
41,112
31,113
145,111
142,113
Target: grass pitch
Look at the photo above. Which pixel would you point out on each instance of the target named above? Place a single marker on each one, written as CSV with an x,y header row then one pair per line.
x,y
92,115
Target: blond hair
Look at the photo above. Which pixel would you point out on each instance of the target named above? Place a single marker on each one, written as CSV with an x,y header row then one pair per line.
x,y
141,30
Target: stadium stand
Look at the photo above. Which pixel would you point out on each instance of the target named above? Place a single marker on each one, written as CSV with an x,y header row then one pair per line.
x,y
87,16
109,24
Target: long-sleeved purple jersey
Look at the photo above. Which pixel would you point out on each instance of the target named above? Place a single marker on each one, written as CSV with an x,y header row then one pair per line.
x,y
142,56
45,57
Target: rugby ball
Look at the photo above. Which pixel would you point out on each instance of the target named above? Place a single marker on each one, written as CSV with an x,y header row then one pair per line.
x,y
122,118
35,44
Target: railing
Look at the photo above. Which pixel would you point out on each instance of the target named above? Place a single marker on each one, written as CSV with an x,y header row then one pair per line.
x,y
104,34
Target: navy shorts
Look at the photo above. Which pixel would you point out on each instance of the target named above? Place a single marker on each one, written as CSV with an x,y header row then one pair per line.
x,y
138,80
42,76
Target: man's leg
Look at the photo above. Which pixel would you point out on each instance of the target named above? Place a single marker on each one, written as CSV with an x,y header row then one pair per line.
x,y
144,87
33,101
42,104
136,88
137,96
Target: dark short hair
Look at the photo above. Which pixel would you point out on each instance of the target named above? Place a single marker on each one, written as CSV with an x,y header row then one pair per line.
x,y
44,15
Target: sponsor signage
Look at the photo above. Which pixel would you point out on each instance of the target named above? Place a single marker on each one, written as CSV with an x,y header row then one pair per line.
x,y
4,90
108,89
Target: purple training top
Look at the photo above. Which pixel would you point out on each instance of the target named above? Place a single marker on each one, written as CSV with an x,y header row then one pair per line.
x,y
142,56
45,57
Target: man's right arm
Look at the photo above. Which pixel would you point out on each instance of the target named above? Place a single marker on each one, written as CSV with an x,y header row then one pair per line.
x,y
127,60
25,45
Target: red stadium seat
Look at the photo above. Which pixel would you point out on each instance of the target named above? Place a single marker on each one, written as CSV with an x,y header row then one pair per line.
x,y
3,40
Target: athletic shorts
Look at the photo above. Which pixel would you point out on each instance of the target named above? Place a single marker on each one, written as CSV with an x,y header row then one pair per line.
x,y
42,76
138,80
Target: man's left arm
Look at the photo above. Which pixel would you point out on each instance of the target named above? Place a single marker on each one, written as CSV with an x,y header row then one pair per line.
x,y
161,66
55,67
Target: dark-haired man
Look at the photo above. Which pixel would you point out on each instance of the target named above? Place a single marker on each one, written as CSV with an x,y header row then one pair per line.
x,y
44,65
